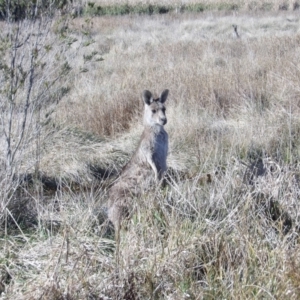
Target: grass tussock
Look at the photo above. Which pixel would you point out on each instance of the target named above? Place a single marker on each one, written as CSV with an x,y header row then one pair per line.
x,y
226,226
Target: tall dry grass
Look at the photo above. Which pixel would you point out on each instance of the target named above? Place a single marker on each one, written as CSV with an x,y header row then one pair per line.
x,y
233,116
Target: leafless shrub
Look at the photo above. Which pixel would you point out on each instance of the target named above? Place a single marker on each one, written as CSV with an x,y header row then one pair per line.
x,y
29,95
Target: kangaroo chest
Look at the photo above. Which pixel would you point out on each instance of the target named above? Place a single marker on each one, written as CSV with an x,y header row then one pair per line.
x,y
160,143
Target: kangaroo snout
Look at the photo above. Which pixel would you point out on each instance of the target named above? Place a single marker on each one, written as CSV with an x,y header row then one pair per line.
x,y
163,121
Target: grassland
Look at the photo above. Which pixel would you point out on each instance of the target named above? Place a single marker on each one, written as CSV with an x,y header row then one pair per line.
x,y
233,117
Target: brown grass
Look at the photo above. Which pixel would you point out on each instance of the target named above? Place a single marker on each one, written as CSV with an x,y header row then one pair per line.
x,y
233,116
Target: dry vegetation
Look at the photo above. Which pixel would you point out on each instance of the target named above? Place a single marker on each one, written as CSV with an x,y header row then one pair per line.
x,y
246,4
226,226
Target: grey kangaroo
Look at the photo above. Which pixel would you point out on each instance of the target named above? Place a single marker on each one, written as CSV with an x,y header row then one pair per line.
x,y
149,159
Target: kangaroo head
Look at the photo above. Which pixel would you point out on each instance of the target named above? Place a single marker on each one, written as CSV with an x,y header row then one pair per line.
x,y
155,111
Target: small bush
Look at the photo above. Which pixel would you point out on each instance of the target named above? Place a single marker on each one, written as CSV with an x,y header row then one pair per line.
x,y
296,5
227,6
198,7
283,6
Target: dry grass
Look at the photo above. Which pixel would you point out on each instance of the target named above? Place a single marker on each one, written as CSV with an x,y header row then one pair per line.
x,y
233,113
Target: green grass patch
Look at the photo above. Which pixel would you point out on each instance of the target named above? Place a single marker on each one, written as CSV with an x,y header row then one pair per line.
x,y
125,9
149,9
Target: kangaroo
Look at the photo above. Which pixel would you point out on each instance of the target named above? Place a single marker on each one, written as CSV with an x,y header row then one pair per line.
x,y
149,159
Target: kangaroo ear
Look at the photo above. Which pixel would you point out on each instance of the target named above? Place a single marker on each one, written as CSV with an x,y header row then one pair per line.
x,y
147,97
163,97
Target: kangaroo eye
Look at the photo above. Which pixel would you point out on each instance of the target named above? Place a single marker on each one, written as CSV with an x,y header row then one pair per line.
x,y
154,111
